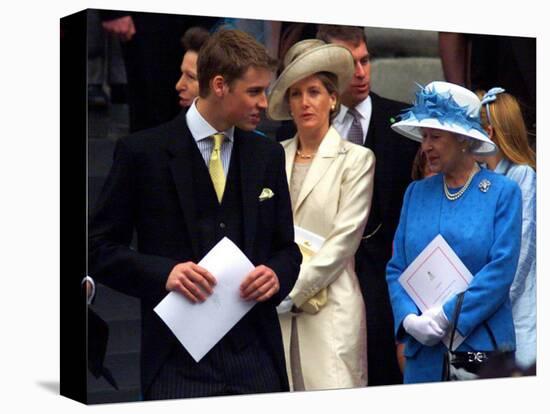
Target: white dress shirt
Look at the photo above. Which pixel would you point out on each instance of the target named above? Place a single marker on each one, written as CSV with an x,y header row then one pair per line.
x,y
342,122
202,130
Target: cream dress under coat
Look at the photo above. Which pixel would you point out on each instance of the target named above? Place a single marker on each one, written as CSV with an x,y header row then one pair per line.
x,y
334,202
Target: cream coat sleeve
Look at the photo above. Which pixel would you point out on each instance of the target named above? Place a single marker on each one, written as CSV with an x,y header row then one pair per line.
x,y
347,229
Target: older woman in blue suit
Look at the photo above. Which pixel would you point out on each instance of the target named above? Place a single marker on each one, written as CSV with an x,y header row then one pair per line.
x,y
477,212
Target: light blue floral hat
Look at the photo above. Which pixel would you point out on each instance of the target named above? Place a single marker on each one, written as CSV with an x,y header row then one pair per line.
x,y
449,107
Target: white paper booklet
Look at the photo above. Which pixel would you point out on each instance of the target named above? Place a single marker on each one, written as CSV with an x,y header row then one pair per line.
x,y
434,276
200,326
308,241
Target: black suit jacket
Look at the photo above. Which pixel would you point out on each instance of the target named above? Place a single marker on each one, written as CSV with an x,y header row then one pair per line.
x,y
150,191
152,61
394,157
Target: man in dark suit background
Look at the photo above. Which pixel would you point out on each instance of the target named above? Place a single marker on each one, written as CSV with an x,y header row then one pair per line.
x,y
151,45
365,118
163,186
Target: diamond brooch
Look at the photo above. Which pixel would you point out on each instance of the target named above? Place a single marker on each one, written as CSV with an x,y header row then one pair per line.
x,y
484,185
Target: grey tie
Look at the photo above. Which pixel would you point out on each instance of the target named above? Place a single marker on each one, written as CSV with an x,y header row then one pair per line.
x,y
355,133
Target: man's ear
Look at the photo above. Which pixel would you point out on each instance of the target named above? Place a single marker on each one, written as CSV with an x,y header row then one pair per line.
x,y
218,86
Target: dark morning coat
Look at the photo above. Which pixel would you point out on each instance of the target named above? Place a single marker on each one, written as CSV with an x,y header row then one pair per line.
x,y
150,191
394,157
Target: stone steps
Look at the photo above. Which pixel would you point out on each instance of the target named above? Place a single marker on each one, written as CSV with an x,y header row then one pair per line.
x,y
120,311
125,370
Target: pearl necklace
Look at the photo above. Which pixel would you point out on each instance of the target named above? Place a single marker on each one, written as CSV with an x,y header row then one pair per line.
x,y
305,156
455,196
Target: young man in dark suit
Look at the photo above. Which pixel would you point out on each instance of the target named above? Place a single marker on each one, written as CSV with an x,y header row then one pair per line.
x,y
182,187
365,118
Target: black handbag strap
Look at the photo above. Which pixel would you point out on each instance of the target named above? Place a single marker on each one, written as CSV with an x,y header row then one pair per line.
x,y
458,307
454,322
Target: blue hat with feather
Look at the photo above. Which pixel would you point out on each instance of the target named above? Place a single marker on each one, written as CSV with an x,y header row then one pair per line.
x,y
448,107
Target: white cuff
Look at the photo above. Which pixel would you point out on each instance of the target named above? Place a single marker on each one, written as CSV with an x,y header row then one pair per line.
x,y
285,306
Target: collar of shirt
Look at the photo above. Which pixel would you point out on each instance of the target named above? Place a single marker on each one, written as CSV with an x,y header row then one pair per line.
x,y
200,128
503,166
343,120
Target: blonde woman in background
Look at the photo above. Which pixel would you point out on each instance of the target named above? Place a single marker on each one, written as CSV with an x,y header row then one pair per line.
x,y
502,119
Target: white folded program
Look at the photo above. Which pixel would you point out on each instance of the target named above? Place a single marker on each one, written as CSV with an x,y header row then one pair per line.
x,y
308,242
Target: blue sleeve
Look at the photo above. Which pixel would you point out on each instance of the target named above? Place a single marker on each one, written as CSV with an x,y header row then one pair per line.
x,y
401,302
490,286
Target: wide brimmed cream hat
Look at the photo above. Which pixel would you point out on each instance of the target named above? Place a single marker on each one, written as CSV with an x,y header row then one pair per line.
x,y
302,60
449,107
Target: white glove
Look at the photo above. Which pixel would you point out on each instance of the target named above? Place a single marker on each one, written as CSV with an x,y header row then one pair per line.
x,y
285,306
438,316
423,328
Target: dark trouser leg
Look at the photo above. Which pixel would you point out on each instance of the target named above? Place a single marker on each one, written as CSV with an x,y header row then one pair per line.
x,y
383,368
223,371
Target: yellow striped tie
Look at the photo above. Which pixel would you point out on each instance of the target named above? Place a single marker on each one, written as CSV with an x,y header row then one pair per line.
x,y
215,166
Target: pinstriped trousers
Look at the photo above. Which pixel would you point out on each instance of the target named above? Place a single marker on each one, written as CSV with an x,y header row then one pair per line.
x,y
225,370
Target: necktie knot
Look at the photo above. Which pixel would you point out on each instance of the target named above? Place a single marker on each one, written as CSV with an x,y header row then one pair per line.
x,y
354,113
218,140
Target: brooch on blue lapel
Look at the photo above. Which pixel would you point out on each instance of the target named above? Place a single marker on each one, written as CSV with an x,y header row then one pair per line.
x,y
484,185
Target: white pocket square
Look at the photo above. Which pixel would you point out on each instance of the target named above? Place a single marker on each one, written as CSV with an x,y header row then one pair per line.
x,y
266,194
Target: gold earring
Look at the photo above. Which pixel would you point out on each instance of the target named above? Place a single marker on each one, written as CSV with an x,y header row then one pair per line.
x,y
333,107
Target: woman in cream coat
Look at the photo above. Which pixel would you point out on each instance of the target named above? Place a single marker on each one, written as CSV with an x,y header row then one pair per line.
x,y
323,320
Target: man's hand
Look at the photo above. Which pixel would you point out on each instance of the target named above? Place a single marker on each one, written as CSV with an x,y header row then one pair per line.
x,y
88,285
192,281
123,27
260,284
89,290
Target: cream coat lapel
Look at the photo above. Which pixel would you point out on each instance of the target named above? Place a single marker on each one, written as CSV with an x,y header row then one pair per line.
x,y
328,150
290,151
